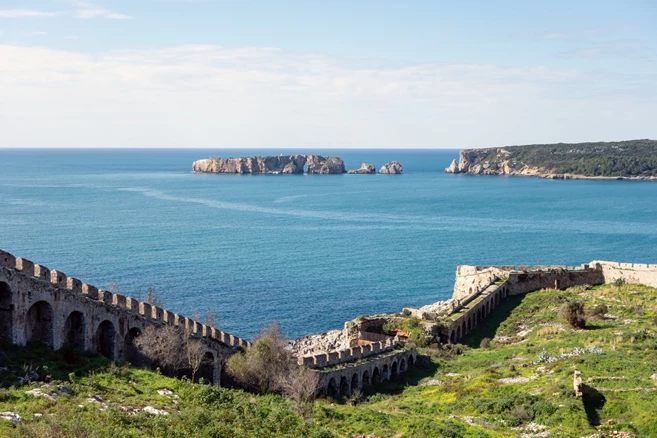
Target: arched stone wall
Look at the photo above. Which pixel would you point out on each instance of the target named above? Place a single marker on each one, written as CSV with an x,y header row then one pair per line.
x,y
40,326
75,330
6,313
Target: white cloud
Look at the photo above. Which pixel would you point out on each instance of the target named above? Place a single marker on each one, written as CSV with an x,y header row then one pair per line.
x,y
35,33
22,13
89,10
210,96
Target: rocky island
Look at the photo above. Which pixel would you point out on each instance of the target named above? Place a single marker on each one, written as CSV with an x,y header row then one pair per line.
x,y
281,164
634,159
287,165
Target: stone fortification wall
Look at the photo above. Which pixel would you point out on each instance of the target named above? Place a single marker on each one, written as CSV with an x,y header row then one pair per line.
x,y
43,305
310,345
523,279
344,380
630,272
346,355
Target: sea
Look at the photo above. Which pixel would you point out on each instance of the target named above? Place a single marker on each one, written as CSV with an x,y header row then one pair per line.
x,y
307,251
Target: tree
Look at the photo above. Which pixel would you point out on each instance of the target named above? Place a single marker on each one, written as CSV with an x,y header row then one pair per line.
x,y
152,297
573,312
211,318
302,385
163,345
262,367
194,353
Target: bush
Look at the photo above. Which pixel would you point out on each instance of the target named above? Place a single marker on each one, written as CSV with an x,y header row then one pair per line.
x,y
599,311
262,367
485,343
620,282
573,312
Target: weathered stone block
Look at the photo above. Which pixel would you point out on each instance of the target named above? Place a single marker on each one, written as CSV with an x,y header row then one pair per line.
x,y
74,285
58,278
132,304
376,347
320,360
307,361
145,309
105,296
119,300
333,358
345,355
524,268
25,266
90,291
7,260
41,272
367,349
168,317
244,344
157,313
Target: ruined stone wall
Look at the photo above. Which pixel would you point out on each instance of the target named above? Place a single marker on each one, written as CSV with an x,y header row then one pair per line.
x,y
346,355
344,380
630,272
471,280
46,306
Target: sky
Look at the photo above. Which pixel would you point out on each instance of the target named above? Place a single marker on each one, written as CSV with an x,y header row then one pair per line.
x,y
325,74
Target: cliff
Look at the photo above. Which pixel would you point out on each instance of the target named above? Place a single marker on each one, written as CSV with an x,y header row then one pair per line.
x,y
634,159
282,164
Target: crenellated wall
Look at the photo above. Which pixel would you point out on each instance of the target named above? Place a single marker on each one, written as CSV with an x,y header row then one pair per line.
x,y
348,355
43,305
384,366
523,279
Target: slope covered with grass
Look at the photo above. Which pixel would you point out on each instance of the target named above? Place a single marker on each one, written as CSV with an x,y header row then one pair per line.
x,y
520,385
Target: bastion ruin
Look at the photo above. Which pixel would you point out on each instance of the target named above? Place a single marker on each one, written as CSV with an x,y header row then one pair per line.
x,y
42,305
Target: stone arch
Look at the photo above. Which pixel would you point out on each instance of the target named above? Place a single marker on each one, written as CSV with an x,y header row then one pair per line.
x,y
105,339
385,373
365,380
452,337
458,332
6,314
344,386
402,365
75,329
410,360
354,382
207,369
468,323
332,388
394,371
132,353
376,375
40,323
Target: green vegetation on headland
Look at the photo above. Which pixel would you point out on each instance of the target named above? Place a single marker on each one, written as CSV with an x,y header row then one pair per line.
x,y
512,376
626,159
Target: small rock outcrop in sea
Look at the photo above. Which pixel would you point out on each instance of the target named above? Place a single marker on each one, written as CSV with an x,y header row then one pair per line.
x,y
365,168
324,165
391,168
453,168
282,164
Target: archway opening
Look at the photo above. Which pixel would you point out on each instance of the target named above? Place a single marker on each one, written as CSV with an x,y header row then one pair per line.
x,y
132,353
207,368
393,371
366,378
74,330
6,314
354,382
344,386
376,375
106,339
40,323
410,361
332,388
402,365
385,374
452,337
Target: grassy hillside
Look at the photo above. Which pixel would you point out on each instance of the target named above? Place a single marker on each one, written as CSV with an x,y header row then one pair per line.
x,y
623,158
521,384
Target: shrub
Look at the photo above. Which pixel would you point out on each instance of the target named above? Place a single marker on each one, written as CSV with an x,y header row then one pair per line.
x,y
573,312
263,366
619,282
485,343
599,311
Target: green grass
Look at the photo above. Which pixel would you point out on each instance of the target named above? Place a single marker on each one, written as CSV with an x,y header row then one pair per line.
x,y
470,401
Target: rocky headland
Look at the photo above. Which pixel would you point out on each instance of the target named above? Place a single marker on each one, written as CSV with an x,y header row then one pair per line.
x,y
632,160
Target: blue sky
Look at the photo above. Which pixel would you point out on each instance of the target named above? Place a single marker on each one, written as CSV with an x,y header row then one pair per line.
x,y
394,74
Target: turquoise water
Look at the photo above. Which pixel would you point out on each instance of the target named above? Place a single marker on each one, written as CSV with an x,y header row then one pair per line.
x,y
307,251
